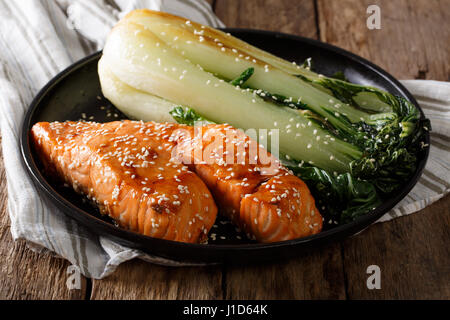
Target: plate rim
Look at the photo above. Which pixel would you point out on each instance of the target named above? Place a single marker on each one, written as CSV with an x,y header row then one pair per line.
x,y
341,231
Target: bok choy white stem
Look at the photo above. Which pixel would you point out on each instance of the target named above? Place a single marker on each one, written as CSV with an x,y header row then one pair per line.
x,y
141,60
348,141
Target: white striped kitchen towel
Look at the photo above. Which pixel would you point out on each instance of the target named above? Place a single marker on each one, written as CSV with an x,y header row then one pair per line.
x,y
434,98
38,38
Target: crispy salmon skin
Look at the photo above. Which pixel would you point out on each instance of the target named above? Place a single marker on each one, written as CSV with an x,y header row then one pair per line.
x,y
164,180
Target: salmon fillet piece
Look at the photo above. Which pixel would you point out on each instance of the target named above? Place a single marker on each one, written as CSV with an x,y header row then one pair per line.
x,y
154,178
250,185
126,169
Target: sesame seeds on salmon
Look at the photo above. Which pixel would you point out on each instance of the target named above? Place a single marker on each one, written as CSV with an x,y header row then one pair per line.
x,y
125,169
250,186
164,180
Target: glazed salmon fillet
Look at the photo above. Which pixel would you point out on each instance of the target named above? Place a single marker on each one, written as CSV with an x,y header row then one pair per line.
x,y
156,179
125,168
250,186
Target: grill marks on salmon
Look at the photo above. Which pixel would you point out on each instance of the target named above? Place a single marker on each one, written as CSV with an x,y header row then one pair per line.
x,y
126,169
156,179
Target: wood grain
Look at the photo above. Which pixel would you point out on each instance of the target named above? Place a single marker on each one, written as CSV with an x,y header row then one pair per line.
x,y
315,275
141,280
411,253
25,274
296,17
412,43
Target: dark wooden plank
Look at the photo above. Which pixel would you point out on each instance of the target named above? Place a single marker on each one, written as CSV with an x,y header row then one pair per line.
x,y
412,43
141,280
315,275
25,274
297,17
412,254
318,274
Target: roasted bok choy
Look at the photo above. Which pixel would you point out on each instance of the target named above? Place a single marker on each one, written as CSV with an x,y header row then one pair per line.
x,y
352,144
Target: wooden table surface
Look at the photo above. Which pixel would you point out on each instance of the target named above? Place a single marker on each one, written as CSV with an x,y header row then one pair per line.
x,y
412,251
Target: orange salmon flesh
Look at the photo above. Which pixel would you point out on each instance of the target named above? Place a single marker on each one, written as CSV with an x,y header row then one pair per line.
x,y
168,180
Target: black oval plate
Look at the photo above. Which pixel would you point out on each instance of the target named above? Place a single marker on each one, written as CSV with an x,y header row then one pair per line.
x,y
75,94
